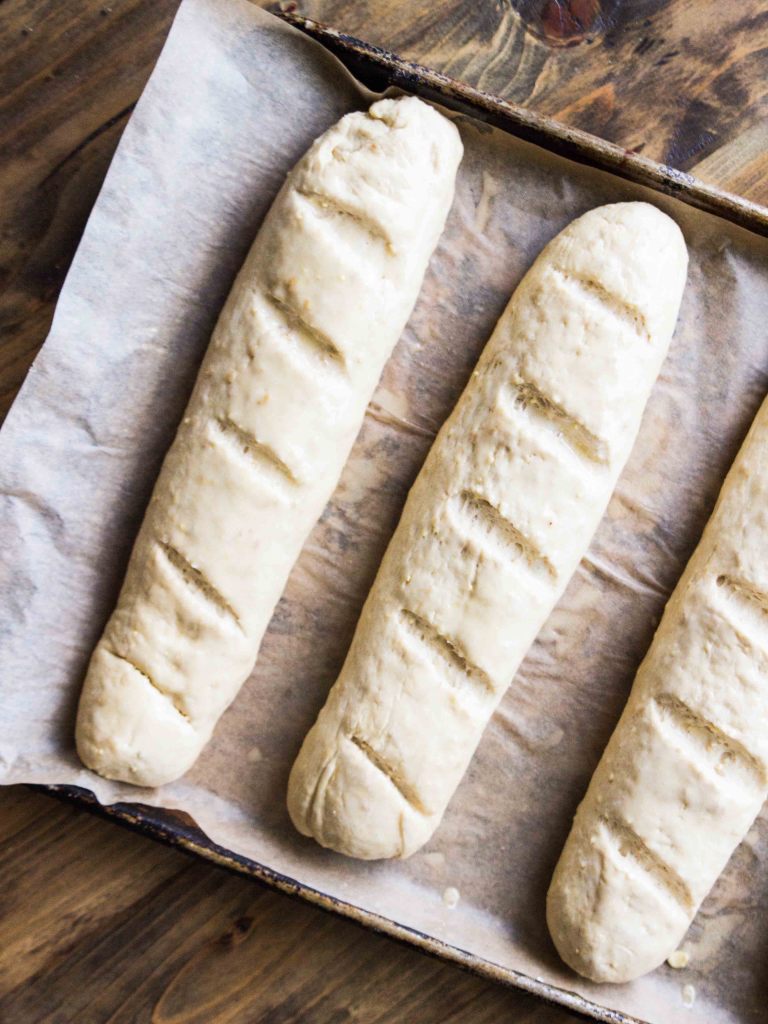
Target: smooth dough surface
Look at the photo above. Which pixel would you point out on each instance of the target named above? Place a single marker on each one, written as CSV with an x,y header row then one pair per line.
x,y
316,310
505,506
686,770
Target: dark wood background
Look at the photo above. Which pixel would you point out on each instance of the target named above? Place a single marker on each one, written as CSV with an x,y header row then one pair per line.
x,y
98,925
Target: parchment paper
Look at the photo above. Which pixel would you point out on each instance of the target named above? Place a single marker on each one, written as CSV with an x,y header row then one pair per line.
x,y
235,99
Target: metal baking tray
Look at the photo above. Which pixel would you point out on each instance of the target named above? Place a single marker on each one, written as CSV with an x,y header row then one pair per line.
x,y
379,70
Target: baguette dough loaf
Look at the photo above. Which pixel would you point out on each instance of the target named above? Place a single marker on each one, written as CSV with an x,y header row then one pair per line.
x,y
322,298
501,513
686,771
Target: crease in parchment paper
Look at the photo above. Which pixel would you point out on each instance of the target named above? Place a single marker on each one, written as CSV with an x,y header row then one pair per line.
x,y
235,99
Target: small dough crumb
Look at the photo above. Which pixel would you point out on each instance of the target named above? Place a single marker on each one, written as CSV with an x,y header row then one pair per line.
x,y
689,995
434,859
678,959
451,897
254,755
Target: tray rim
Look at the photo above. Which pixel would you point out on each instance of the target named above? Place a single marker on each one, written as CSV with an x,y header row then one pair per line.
x,y
388,69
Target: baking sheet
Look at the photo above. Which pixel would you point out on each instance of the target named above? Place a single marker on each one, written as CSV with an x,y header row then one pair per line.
x,y
235,99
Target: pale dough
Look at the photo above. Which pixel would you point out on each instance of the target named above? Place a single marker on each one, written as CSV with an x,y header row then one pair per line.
x,y
501,513
686,771
322,298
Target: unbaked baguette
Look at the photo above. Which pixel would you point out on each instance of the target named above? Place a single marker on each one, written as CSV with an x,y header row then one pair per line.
x,y
501,513
686,770
321,300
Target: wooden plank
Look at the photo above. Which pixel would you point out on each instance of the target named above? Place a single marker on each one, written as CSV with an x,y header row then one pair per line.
x,y
69,78
673,79
100,925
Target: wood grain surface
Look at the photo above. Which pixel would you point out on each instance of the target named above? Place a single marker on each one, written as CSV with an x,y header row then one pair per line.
x,y
99,925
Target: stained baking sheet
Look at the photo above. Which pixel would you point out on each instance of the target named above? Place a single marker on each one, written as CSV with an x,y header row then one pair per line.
x,y
235,99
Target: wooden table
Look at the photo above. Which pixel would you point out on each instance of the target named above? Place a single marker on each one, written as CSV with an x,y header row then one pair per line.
x,y
101,925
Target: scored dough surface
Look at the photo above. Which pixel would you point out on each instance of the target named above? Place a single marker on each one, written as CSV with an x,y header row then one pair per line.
x,y
316,310
495,524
